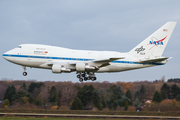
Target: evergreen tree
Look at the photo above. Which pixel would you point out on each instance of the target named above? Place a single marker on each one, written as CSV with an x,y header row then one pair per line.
x,y
32,86
53,90
91,89
7,91
31,99
136,94
141,94
101,90
13,90
115,104
157,97
24,86
166,89
116,91
85,94
142,90
9,96
59,98
77,104
10,92
174,90
120,90
137,103
122,101
53,94
169,92
96,99
163,94
19,95
103,102
82,95
128,94
38,85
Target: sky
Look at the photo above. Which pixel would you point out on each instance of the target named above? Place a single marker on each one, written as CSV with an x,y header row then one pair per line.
x,y
104,25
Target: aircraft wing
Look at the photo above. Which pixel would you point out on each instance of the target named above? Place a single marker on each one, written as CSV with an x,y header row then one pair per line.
x,y
62,63
154,60
99,62
105,62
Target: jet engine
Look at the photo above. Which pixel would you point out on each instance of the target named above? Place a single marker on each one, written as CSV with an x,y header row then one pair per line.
x,y
57,68
82,67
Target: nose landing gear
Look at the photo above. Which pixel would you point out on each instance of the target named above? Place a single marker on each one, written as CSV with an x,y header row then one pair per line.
x,y
24,73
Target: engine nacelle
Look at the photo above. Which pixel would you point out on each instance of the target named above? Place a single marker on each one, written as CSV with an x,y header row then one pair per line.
x,y
57,68
82,67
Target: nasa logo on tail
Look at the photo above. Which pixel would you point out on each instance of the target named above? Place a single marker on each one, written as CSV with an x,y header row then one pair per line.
x,y
154,41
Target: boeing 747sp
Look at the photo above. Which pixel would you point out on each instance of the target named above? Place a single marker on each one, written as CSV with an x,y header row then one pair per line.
x,y
86,63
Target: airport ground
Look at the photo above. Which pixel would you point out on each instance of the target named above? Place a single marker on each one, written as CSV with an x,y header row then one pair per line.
x,y
31,118
27,118
26,115
90,112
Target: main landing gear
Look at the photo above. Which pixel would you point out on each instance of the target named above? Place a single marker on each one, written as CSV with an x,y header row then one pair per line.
x,y
86,76
24,73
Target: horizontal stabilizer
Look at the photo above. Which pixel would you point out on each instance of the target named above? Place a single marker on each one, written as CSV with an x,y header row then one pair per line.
x,y
153,60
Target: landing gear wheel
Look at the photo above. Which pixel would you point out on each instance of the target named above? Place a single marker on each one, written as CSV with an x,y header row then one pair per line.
x,y
80,79
78,76
85,78
83,75
24,73
93,78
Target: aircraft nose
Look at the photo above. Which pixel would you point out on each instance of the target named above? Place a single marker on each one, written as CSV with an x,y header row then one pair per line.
x,y
9,54
5,55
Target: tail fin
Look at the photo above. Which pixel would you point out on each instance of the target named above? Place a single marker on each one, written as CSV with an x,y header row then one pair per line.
x,y
154,45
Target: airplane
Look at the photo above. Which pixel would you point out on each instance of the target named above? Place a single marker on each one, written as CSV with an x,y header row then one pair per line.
x,y
86,63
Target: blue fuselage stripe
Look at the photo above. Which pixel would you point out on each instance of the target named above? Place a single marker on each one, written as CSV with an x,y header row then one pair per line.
x,y
79,59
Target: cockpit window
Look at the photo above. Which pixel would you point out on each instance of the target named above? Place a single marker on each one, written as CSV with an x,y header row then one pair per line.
x,y
18,46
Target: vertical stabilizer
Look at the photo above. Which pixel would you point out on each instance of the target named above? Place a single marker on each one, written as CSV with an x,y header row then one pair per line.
x,y
154,45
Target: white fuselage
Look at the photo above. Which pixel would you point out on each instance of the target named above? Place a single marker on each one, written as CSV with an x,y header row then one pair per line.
x,y
40,56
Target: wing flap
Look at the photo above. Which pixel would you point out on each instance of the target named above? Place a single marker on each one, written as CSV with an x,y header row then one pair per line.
x,y
107,60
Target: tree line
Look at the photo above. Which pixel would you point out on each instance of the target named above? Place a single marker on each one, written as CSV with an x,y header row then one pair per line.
x,y
79,96
176,80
